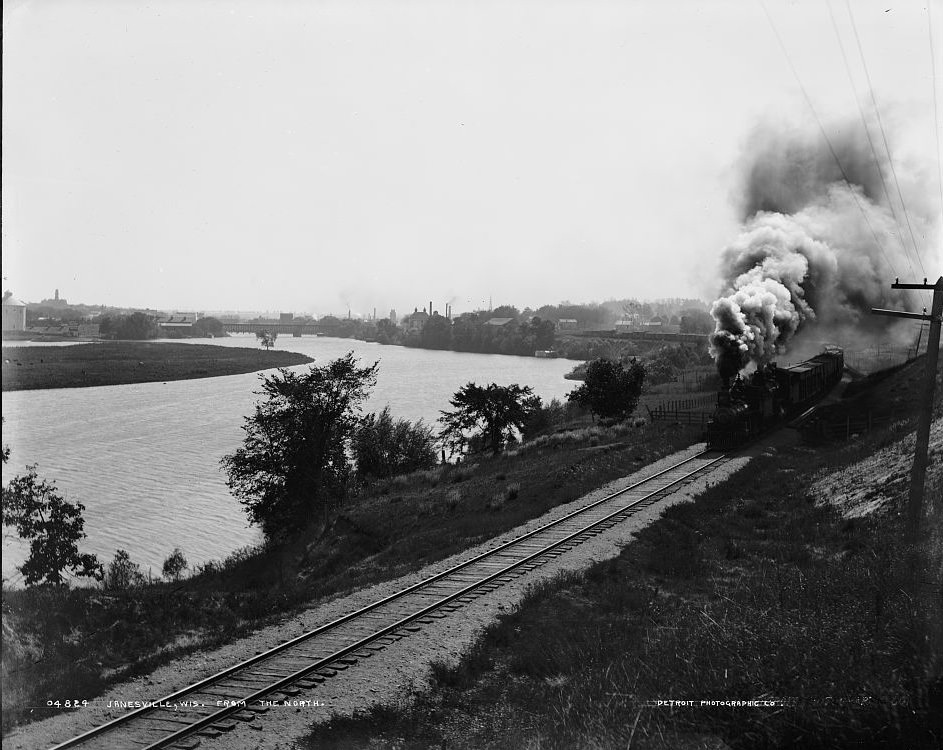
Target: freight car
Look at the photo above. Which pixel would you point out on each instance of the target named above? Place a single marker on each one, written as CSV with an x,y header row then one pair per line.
x,y
753,404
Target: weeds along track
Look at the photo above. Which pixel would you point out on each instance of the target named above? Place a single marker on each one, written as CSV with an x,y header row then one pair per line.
x,y
215,705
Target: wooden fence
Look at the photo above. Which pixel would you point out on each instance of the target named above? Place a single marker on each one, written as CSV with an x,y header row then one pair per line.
x,y
840,427
695,410
681,417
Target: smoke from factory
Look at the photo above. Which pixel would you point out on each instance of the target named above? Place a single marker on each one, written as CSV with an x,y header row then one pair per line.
x,y
815,252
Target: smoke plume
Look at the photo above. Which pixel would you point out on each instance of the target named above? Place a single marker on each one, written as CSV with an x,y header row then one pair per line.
x,y
815,252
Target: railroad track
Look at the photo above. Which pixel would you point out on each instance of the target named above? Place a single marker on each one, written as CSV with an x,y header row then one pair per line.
x,y
216,704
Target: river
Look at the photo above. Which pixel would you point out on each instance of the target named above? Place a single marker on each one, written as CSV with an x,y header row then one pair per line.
x,y
144,459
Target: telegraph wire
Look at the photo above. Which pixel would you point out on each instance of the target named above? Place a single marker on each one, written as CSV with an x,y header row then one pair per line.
x,y
867,130
936,116
828,141
877,111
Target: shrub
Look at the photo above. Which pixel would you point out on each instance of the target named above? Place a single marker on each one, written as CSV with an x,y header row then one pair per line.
x,y
547,416
122,573
174,565
384,447
453,498
610,389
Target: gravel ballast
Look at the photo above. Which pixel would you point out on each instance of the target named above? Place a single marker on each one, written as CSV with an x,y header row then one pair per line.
x,y
394,673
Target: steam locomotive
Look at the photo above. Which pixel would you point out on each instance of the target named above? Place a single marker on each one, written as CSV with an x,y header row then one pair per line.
x,y
751,405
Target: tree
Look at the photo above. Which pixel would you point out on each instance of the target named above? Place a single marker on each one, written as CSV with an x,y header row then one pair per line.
x,y
294,453
266,338
491,413
437,333
136,327
174,565
52,525
609,388
208,327
505,311
383,446
123,573
387,332
696,321
543,333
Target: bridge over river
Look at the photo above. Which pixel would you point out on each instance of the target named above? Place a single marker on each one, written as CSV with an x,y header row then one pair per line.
x,y
291,329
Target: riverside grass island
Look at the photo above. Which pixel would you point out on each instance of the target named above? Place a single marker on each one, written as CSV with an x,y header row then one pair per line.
x,y
127,362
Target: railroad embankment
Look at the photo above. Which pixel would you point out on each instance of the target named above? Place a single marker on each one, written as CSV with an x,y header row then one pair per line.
x,y
122,362
761,591
777,610
85,640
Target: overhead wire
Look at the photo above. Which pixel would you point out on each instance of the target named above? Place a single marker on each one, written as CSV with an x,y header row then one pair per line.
x,y
867,130
936,115
877,112
828,141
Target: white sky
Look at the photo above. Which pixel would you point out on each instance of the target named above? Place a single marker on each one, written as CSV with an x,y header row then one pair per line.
x,y
307,156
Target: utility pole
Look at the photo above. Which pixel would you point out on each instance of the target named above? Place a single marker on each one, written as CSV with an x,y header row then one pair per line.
x,y
919,473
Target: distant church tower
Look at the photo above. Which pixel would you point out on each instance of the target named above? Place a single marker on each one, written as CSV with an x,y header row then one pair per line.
x,y
57,295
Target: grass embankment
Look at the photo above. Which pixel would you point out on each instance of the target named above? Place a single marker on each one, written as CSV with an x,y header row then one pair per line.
x,y
79,641
755,591
122,362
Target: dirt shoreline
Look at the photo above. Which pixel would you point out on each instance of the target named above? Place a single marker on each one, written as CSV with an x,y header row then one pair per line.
x,y
126,362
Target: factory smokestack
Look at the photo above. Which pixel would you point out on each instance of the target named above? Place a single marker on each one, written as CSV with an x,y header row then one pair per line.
x,y
814,253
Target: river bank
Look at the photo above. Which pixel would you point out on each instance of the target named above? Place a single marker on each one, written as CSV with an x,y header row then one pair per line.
x,y
86,640
125,362
775,611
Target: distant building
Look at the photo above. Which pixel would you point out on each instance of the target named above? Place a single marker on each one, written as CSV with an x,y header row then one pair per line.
x,y
286,317
498,322
393,319
567,324
416,321
14,313
634,325
178,320
55,301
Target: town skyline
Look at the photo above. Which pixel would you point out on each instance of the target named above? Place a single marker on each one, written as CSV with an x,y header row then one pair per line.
x,y
61,301
338,155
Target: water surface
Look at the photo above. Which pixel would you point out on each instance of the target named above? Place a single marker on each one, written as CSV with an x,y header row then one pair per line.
x,y
144,458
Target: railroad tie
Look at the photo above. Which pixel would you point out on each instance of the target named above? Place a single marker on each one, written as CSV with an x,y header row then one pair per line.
x,y
310,681
409,614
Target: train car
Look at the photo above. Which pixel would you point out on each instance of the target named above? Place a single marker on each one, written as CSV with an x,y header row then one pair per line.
x,y
752,405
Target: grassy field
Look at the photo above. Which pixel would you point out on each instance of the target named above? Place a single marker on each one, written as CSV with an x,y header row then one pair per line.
x,y
119,362
754,592
83,640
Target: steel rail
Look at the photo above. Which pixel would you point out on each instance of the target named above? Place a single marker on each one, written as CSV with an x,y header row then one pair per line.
x,y
321,663
327,660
